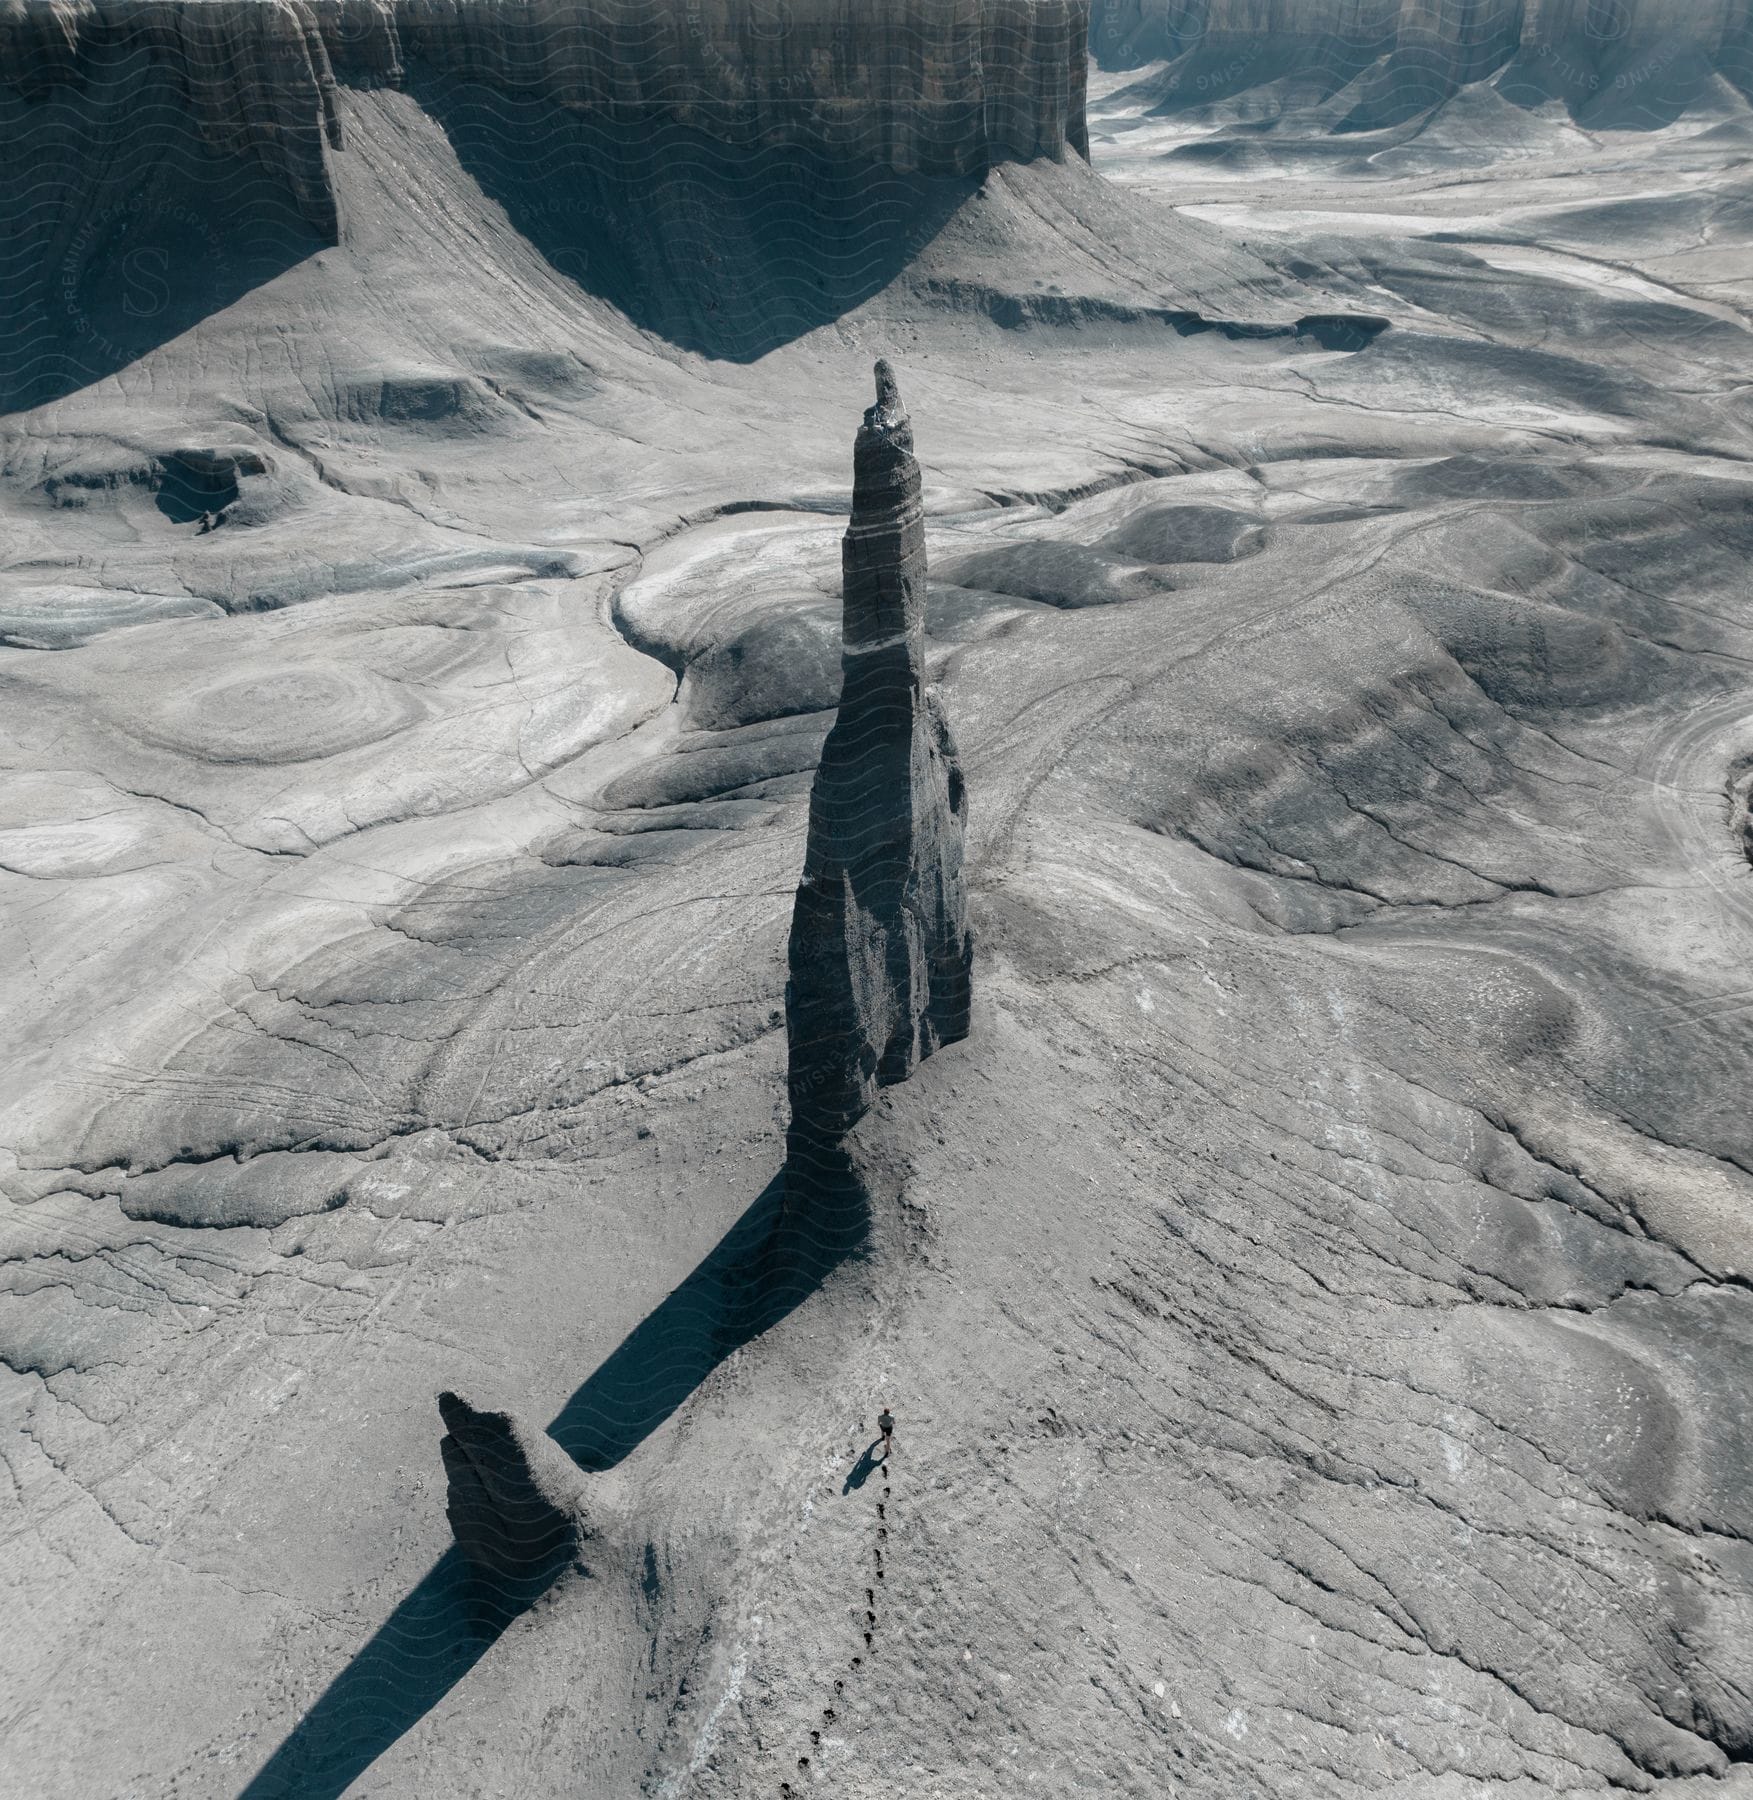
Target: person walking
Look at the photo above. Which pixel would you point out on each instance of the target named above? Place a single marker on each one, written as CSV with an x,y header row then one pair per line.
x,y
886,1425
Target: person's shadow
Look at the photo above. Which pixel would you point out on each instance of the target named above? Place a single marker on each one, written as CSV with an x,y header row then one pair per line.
x,y
767,1264
866,1466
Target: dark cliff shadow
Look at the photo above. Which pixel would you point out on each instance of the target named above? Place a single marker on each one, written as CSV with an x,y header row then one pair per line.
x,y
121,227
727,250
797,1231
773,1258
419,1653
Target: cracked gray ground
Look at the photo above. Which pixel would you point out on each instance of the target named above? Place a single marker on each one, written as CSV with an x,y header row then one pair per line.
x,y
1316,1298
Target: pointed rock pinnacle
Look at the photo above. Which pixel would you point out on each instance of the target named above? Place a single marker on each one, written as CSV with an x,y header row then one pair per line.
x,y
880,953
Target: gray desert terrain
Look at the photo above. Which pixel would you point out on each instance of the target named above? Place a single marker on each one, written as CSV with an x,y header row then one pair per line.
x,y
1232,1030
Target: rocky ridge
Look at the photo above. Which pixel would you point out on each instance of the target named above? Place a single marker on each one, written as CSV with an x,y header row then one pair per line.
x,y
880,963
1630,63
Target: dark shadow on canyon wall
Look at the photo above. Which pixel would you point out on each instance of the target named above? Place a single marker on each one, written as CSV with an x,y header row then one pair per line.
x,y
800,1228
727,250
122,226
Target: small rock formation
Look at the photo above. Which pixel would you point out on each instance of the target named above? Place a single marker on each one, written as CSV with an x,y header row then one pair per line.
x,y
880,953
515,1500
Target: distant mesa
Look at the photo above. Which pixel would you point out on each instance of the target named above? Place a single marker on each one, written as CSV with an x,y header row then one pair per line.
x,y
913,85
880,954
1609,62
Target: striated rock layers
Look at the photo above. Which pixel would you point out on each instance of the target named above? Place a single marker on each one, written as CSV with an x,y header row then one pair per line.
x,y
247,75
880,953
933,86
514,1500
1615,62
728,173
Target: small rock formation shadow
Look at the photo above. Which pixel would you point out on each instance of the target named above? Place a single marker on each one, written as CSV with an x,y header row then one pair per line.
x,y
515,1498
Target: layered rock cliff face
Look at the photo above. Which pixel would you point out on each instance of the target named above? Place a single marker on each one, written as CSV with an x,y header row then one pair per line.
x,y
1624,62
162,157
249,75
880,954
940,89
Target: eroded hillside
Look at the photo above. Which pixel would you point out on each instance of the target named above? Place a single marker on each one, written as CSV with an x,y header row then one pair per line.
x,y
1314,1292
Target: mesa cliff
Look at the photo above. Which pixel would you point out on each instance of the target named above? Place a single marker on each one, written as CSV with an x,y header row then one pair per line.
x,y
1634,62
880,954
168,156
930,88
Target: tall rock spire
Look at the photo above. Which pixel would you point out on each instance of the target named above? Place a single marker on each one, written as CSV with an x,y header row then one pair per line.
x,y
880,953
